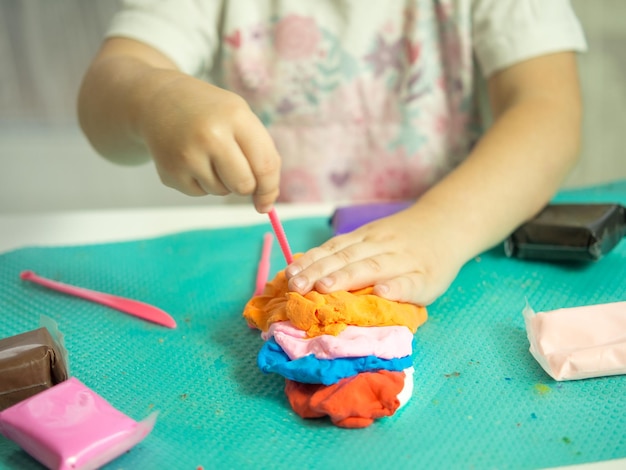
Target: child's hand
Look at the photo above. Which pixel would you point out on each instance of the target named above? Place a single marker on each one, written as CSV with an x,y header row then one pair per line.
x,y
206,140
134,104
403,257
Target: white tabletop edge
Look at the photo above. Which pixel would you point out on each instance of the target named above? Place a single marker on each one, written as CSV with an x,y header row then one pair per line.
x,y
103,226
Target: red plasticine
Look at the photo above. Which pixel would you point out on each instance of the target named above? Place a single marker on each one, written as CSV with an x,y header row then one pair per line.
x,y
280,235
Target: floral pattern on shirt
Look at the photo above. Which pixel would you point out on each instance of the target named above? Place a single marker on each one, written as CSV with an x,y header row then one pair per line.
x,y
381,125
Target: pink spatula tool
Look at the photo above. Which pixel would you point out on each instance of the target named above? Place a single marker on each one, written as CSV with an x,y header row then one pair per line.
x,y
132,307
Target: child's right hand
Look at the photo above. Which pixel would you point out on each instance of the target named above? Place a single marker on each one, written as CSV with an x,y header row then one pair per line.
x,y
203,139
206,140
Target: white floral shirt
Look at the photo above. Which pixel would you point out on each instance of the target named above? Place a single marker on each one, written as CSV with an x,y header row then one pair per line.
x,y
365,100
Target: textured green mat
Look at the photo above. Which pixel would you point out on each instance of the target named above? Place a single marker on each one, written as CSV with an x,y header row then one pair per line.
x,y
480,400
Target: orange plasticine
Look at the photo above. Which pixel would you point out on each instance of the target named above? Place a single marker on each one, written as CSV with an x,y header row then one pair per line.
x,y
319,314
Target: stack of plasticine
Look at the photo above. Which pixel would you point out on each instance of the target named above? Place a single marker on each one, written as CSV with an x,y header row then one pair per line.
x,y
346,355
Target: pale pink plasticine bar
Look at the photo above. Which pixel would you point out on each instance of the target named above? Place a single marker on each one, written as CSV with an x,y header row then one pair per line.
x,y
580,342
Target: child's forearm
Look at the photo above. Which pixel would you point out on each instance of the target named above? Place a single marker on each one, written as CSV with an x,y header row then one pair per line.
x,y
520,162
115,87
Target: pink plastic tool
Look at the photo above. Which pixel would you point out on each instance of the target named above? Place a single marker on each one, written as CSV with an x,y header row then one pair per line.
x,y
263,270
280,235
132,307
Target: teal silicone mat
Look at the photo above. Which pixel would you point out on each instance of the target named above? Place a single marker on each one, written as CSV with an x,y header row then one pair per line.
x,y
480,399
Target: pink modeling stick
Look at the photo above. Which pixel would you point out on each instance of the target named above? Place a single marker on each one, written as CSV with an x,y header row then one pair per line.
x,y
132,307
263,271
280,235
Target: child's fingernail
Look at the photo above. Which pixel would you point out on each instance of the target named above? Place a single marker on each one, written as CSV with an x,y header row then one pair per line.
x,y
263,208
299,282
292,271
382,289
327,281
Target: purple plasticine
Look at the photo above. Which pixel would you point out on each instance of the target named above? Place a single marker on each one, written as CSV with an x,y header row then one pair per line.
x,y
346,219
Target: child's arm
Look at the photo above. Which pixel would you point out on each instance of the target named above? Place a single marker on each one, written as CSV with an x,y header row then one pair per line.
x,y
134,103
509,176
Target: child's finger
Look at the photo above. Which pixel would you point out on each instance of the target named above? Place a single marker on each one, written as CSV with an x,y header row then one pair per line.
x,y
197,180
233,169
362,273
264,161
327,250
406,288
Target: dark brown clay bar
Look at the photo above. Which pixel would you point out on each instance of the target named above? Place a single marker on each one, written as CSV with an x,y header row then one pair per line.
x,y
569,232
29,363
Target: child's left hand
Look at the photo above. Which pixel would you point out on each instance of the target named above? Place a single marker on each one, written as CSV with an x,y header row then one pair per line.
x,y
508,177
405,257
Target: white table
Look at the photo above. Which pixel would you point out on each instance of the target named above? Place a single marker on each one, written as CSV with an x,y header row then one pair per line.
x,y
75,228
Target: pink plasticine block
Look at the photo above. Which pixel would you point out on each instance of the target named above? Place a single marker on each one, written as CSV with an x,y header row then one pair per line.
x,y
69,426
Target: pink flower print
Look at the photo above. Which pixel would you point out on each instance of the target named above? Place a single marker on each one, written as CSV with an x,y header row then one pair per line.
x,y
413,51
395,176
296,37
364,102
234,39
391,183
299,185
249,75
